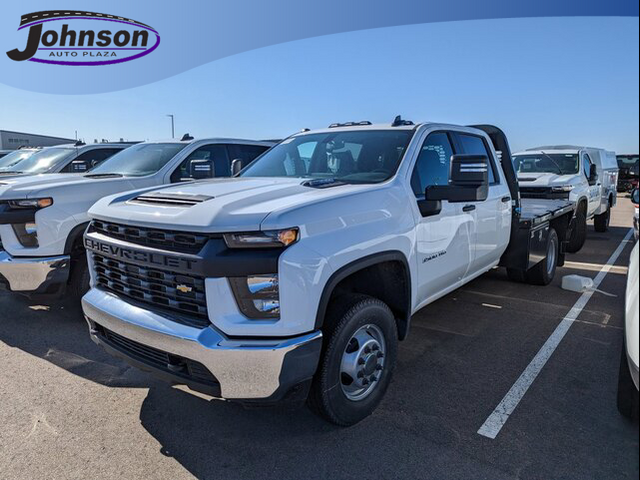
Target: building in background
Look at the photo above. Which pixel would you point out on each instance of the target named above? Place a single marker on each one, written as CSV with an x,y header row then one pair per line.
x,y
13,140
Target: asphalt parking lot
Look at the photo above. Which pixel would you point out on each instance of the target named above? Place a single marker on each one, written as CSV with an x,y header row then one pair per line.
x,y
68,410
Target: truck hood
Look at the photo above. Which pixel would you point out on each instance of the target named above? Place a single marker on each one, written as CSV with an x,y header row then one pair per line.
x,y
225,205
68,188
546,179
22,186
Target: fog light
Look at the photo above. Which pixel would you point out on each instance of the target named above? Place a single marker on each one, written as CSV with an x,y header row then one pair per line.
x,y
30,228
27,234
257,296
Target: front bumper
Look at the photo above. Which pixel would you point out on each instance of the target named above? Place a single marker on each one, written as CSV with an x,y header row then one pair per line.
x,y
253,370
34,275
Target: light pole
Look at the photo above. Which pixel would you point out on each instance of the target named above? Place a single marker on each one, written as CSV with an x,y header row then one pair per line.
x,y
173,133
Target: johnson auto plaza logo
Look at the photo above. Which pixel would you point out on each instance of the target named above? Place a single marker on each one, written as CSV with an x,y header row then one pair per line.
x,y
67,37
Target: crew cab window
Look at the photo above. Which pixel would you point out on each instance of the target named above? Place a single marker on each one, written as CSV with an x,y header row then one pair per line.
x,y
433,164
474,145
90,159
205,162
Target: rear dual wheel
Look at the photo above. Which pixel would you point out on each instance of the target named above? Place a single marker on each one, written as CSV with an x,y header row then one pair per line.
x,y
544,272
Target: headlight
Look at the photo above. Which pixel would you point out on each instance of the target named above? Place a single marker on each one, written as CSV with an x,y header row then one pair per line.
x,y
268,239
36,203
257,296
27,234
563,188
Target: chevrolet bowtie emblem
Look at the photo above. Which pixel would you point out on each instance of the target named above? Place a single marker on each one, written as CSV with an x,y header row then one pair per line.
x,y
184,288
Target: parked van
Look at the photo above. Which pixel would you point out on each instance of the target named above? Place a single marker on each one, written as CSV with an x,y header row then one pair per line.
x,y
585,176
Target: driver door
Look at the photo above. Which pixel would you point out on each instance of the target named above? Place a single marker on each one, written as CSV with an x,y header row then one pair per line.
x,y
594,190
445,240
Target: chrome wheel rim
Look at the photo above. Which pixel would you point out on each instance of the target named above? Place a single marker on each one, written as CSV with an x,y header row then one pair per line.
x,y
551,258
362,363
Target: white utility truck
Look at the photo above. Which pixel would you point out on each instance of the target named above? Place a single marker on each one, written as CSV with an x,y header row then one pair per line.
x,y
297,278
587,177
43,217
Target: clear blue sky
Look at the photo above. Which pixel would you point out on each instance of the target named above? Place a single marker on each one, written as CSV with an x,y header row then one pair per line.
x,y
544,81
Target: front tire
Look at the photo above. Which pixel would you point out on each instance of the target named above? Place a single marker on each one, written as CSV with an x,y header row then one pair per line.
x,y
79,277
579,232
358,359
627,392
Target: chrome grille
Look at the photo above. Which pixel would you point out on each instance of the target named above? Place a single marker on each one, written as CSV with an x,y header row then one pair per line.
x,y
163,290
173,241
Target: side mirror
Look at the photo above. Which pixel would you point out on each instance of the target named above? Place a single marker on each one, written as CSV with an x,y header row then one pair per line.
x,y
468,180
634,196
201,169
79,166
236,166
593,174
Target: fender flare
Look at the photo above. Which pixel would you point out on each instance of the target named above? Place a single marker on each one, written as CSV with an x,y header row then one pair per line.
x,y
76,232
360,264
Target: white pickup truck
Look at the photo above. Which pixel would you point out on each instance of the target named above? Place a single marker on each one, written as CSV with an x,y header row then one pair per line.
x,y
43,217
15,156
297,278
587,177
74,158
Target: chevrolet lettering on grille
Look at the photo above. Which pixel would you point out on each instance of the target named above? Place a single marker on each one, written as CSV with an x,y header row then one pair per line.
x,y
147,258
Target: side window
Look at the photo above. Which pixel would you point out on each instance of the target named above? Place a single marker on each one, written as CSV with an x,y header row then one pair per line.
x,y
88,160
246,153
205,162
433,164
586,165
474,145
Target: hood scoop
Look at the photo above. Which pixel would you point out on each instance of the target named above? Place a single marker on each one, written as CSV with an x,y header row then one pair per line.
x,y
525,179
171,199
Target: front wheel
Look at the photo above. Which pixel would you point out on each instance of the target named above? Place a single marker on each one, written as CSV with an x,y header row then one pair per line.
x,y
579,232
627,391
358,359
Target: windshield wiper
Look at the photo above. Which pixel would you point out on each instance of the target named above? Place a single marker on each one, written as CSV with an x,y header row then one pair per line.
x,y
554,162
103,175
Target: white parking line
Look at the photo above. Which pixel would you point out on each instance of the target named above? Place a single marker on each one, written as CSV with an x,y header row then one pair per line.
x,y
494,423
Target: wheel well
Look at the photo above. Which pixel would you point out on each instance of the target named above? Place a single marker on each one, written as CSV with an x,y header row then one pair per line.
x,y
74,243
583,205
387,279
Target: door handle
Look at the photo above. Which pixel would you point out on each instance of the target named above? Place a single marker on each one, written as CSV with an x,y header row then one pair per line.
x,y
506,199
468,208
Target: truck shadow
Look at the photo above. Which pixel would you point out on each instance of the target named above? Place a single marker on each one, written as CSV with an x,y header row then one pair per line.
x,y
57,332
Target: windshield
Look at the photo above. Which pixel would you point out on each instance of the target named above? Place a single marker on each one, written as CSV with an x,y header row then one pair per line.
x,y
624,161
14,157
370,156
138,160
42,160
560,163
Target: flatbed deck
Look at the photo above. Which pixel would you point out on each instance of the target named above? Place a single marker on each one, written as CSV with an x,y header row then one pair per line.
x,y
535,211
